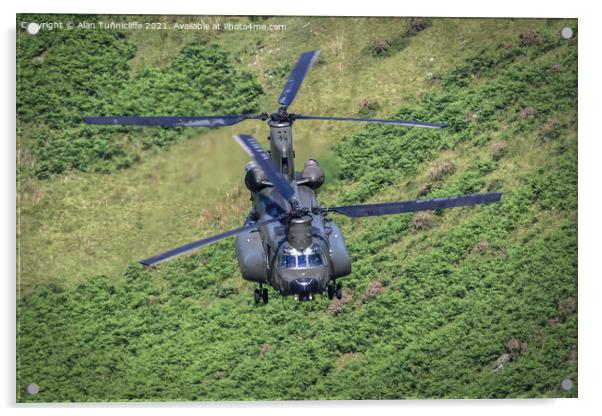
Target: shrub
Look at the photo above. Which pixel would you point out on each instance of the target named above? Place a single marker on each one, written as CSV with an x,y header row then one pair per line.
x,y
367,108
380,47
527,113
422,221
440,170
556,67
424,189
513,345
416,24
374,288
550,130
566,307
480,248
498,149
530,38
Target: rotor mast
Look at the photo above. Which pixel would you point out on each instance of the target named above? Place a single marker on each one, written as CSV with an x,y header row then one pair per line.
x,y
281,143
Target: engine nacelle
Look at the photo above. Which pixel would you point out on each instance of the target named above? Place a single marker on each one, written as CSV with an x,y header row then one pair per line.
x,y
312,174
255,178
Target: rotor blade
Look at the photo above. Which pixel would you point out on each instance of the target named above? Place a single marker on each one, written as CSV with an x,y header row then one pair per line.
x,y
295,79
168,255
186,121
265,163
374,120
388,208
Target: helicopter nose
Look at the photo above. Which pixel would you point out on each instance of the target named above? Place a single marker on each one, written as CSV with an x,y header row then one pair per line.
x,y
304,285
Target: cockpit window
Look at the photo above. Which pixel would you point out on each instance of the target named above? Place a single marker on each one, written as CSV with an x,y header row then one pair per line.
x,y
315,260
287,262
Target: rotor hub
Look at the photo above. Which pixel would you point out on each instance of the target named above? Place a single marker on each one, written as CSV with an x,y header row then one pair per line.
x,y
282,116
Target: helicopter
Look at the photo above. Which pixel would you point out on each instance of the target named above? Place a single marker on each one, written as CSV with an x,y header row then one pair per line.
x,y
288,241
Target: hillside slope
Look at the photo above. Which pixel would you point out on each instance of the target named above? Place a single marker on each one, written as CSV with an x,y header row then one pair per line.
x,y
474,302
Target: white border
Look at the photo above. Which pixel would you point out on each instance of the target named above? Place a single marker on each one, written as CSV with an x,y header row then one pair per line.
x,y
589,172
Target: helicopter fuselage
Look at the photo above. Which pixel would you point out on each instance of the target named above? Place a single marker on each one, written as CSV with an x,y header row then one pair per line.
x,y
300,257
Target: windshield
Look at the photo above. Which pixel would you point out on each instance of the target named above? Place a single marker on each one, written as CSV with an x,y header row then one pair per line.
x,y
288,261
315,260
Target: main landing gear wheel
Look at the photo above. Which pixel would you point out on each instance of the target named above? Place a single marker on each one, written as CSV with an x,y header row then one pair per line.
x,y
257,295
264,295
330,292
339,291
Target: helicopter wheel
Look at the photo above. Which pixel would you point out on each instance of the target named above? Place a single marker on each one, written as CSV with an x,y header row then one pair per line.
x,y
330,292
339,291
257,295
264,295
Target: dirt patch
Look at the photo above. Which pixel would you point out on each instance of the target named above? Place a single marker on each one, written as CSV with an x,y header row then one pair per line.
x,y
374,289
440,170
573,356
527,113
265,348
470,116
566,307
424,190
422,221
498,149
529,38
514,349
480,248
550,130
346,358
367,107
513,345
338,306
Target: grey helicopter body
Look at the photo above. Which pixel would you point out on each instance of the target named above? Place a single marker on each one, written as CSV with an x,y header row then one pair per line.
x,y
288,240
303,257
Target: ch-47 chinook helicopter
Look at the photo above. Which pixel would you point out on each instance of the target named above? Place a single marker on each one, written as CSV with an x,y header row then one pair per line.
x,y
288,240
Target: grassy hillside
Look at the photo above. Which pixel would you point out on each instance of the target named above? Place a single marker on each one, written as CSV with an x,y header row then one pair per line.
x,y
471,302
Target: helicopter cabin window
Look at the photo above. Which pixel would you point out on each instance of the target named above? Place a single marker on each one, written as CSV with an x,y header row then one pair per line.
x,y
315,260
287,262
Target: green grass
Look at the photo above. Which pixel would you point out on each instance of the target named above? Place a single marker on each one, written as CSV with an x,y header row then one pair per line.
x,y
190,330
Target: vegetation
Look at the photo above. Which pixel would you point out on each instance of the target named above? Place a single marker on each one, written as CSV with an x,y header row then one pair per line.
x,y
476,302
64,77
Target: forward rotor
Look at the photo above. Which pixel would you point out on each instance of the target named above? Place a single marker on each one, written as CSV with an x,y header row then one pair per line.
x,y
304,63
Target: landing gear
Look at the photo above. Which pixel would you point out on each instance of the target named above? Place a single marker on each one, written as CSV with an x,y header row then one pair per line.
x,y
261,294
335,289
264,295
257,295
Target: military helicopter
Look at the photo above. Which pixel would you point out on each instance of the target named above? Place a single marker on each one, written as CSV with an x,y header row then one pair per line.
x,y
288,240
